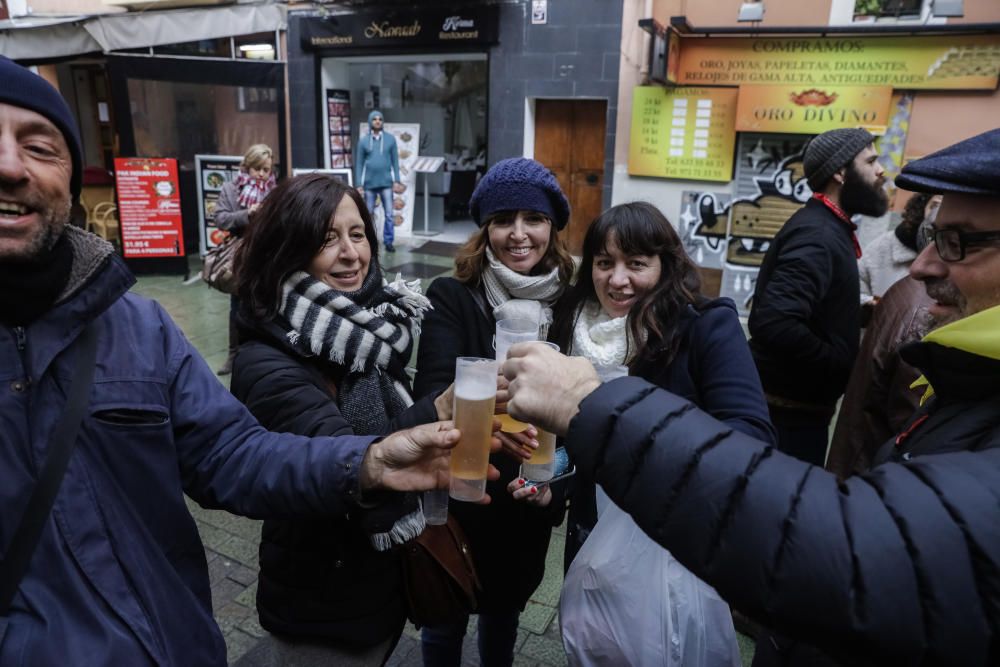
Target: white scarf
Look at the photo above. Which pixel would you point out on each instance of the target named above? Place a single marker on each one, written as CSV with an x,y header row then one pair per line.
x,y
598,337
503,284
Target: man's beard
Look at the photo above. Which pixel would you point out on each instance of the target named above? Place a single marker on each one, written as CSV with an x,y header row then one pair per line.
x,y
944,292
54,221
859,197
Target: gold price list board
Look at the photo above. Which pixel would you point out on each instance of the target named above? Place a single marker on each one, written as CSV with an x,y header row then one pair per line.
x,y
687,133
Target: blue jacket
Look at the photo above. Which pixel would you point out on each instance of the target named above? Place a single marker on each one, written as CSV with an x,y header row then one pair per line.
x,y
378,160
119,576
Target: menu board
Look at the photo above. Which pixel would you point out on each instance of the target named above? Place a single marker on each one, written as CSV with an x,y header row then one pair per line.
x,y
212,172
338,119
149,207
683,133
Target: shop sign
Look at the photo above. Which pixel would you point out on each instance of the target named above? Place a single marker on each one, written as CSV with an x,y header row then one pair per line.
x,y
149,207
439,27
213,172
683,133
808,110
940,62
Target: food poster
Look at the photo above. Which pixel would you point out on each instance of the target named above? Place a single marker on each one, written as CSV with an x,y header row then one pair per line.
x,y
338,119
408,144
213,171
149,207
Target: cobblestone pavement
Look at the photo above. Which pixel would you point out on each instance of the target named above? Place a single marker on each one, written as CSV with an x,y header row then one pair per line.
x,y
231,541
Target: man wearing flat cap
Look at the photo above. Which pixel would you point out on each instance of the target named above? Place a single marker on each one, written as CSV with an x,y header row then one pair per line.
x,y
804,321
897,566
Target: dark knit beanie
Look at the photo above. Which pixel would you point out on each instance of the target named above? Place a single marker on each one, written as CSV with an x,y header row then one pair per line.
x,y
519,184
22,88
830,151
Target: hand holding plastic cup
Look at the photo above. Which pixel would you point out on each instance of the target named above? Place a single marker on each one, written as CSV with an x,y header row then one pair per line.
x,y
540,466
508,333
475,399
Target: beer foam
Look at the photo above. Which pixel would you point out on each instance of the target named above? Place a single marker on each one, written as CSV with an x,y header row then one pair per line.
x,y
476,388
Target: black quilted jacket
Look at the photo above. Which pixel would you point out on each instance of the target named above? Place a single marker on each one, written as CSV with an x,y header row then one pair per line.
x,y
897,566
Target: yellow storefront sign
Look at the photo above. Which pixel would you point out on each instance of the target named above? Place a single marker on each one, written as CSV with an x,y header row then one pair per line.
x,y
683,133
939,62
809,110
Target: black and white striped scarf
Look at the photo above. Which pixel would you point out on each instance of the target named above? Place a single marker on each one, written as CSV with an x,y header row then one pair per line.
x,y
369,332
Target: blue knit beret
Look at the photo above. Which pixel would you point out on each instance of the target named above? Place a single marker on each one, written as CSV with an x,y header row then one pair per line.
x,y
22,88
519,184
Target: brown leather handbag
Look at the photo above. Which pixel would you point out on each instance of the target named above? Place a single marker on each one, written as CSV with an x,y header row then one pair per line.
x,y
439,577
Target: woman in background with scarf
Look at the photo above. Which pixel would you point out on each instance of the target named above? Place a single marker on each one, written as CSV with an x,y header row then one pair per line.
x,y
516,254
238,201
326,343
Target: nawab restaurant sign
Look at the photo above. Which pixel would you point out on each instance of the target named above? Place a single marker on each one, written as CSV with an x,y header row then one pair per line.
x,y
812,110
940,62
434,28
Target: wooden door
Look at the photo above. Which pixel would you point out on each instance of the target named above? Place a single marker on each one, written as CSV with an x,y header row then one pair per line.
x,y
569,140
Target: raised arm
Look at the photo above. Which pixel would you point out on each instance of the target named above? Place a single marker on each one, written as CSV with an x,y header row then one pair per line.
x,y
900,565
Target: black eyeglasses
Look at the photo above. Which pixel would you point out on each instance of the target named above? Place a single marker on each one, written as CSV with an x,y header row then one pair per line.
x,y
951,242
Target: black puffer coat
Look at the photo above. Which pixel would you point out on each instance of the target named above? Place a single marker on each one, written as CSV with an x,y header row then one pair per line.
x,y
318,577
897,566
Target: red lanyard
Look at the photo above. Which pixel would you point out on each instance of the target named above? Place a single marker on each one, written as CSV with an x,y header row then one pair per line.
x,y
839,212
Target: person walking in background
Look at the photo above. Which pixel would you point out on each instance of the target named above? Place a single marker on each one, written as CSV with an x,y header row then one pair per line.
x,y
377,173
316,261
804,320
637,301
238,202
887,259
516,254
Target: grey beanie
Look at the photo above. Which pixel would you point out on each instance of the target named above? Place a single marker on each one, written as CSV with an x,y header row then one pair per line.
x,y
830,151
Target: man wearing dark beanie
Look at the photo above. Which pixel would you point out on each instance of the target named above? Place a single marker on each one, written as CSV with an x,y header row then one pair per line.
x,y
108,417
804,321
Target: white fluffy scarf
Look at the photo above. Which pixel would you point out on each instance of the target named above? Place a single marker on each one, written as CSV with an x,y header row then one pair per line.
x,y
602,340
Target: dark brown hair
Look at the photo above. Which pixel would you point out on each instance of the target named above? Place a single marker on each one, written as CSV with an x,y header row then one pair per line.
x,y
287,232
470,260
637,228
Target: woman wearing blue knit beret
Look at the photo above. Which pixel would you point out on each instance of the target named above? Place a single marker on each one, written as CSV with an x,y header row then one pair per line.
x,y
516,255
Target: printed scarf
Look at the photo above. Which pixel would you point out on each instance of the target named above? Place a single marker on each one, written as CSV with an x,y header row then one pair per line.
x,y
252,190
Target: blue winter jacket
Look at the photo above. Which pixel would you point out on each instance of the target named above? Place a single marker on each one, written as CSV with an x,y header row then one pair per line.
x,y
119,576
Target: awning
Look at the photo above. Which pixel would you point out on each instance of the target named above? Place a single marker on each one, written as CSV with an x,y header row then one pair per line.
x,y
133,30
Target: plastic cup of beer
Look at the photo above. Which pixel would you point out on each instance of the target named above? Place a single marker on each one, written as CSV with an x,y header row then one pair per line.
x,y
435,507
511,332
540,466
475,399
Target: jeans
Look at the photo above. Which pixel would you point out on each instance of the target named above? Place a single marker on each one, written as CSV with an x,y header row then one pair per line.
x,y
441,646
388,225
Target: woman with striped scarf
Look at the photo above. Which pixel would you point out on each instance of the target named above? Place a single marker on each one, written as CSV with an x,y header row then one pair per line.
x,y
326,342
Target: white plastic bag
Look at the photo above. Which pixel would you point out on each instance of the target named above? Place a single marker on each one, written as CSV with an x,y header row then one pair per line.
x,y
627,601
